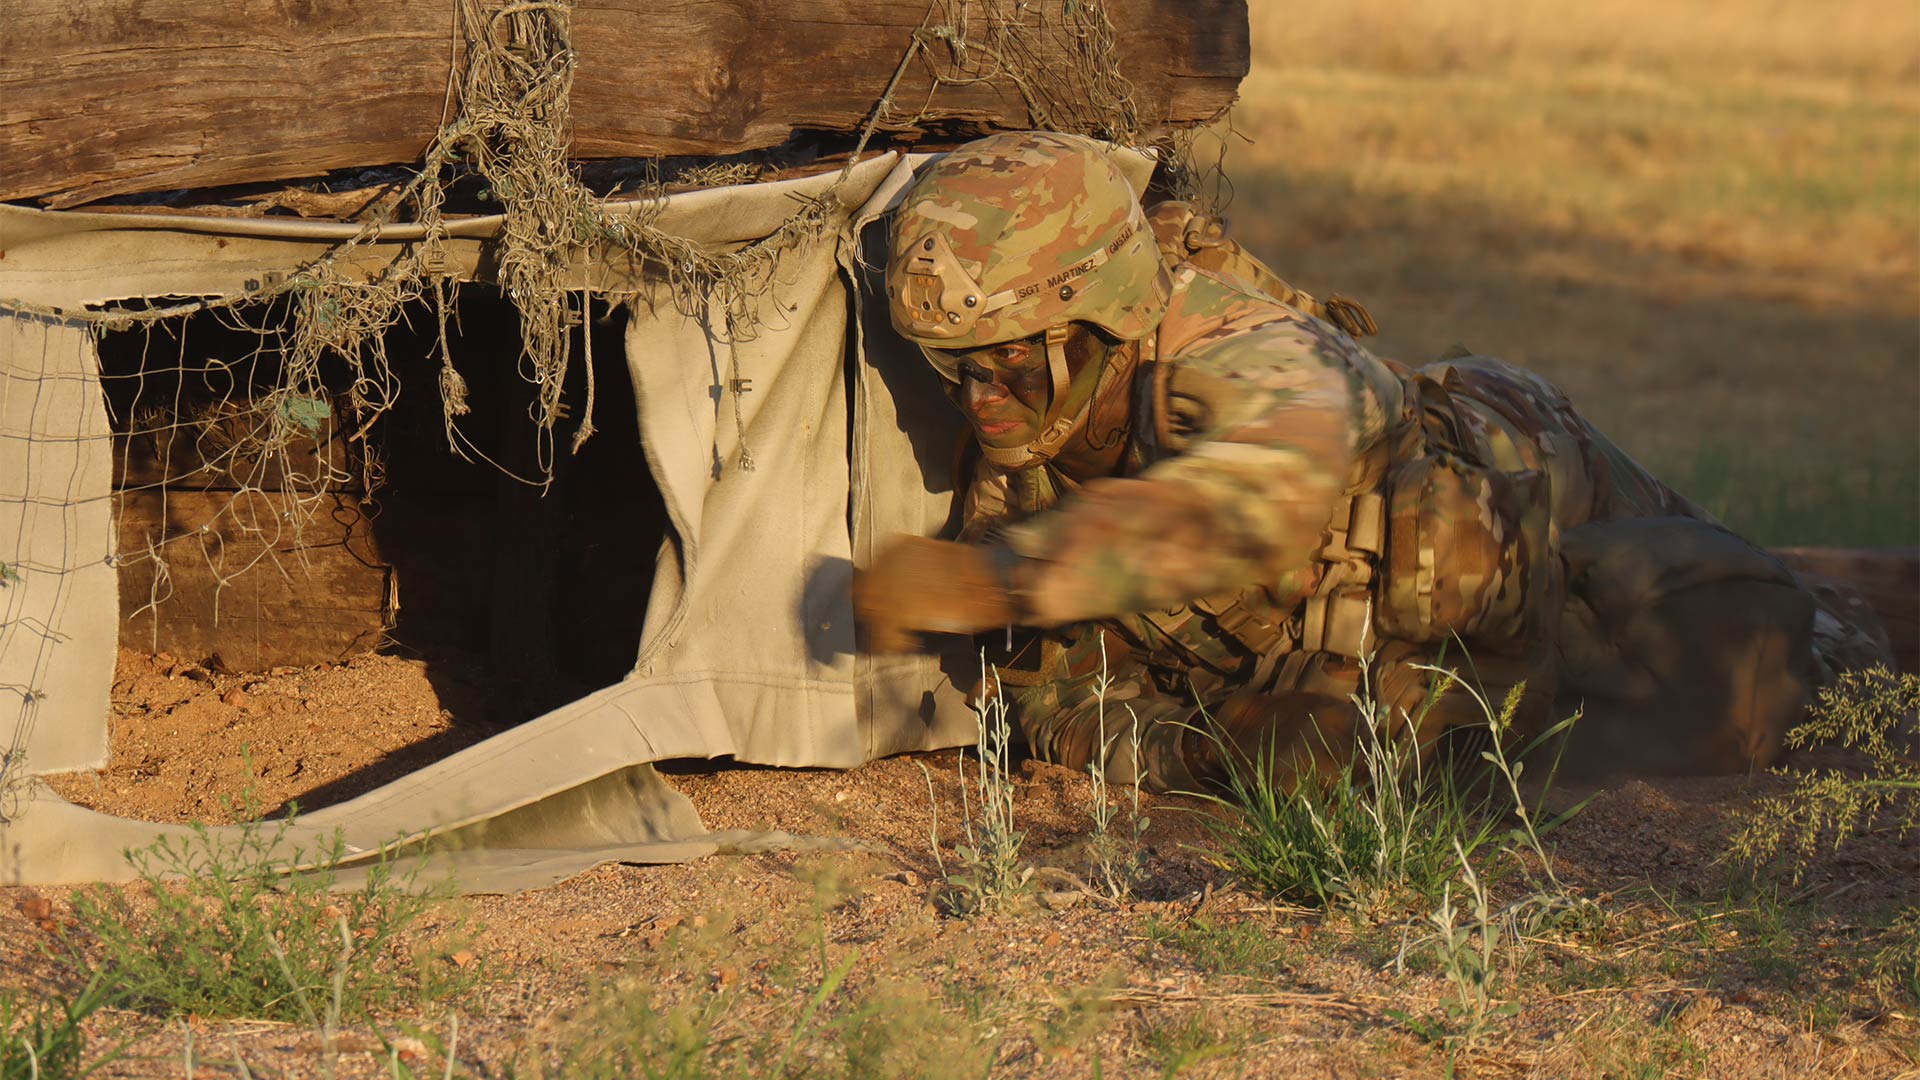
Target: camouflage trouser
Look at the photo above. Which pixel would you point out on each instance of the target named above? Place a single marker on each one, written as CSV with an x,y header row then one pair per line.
x,y
1683,648
1141,731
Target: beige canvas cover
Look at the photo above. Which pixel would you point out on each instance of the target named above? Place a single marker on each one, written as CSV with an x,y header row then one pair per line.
x,y
747,649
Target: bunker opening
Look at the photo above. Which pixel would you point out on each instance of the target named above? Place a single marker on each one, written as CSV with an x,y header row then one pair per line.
x,y
328,581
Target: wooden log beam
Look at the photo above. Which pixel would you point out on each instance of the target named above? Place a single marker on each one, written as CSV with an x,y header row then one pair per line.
x,y
106,97
1885,580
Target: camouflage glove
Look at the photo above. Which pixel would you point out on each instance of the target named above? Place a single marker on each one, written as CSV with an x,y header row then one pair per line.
x,y
917,585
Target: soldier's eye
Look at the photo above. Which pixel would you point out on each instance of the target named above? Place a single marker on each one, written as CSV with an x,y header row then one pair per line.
x,y
1011,355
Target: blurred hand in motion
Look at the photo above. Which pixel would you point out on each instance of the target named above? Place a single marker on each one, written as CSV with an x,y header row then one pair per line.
x,y
918,586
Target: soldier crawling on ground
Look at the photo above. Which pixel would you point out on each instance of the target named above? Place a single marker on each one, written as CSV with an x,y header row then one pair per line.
x,y
1184,461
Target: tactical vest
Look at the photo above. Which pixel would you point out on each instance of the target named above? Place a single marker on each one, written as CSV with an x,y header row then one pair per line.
x,y
1430,541
1428,544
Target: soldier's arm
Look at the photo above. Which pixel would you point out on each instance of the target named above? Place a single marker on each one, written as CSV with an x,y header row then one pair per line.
x,y
1247,502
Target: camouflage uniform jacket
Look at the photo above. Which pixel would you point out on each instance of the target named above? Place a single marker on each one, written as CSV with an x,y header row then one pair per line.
x,y
1253,423
1286,493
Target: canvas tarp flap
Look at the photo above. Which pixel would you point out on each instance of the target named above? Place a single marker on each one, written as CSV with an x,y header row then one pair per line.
x,y
58,588
749,655
751,613
772,478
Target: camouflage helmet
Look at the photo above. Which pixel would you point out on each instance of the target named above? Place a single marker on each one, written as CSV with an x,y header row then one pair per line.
x,y
1019,235
1012,234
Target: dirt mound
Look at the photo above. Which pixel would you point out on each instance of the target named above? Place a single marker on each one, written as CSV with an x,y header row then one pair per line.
x,y
193,744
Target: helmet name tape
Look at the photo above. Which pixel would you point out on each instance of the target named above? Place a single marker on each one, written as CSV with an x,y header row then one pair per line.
x,y
1026,290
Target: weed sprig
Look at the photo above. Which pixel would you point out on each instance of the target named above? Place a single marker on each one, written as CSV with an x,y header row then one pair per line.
x,y
1113,847
989,874
42,1038
1873,711
237,928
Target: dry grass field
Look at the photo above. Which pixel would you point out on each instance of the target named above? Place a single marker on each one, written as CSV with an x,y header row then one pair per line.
x,y
1702,219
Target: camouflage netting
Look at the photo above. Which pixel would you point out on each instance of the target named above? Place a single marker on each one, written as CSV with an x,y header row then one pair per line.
x,y
510,128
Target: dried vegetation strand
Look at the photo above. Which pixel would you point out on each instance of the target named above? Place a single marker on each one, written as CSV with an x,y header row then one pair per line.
x,y
1875,712
1017,45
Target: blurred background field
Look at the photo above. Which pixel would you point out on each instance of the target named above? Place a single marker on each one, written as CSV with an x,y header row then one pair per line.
x,y
1700,217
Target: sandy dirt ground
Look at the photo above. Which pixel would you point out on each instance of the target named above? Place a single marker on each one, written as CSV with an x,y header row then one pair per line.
x,y
1677,971
193,744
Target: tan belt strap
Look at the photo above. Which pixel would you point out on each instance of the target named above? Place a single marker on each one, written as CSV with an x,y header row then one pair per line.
x,y
1338,617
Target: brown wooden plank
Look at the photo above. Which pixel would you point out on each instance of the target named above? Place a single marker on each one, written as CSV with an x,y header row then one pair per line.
x,y
102,97
1887,579
284,602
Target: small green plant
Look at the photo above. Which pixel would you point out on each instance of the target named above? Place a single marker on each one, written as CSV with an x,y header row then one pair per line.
x,y
1877,713
1873,711
1503,771
1113,853
1177,1047
1628,1047
638,1029
236,928
1468,943
1241,947
1894,969
990,873
40,1035
1381,829
624,1033
1767,934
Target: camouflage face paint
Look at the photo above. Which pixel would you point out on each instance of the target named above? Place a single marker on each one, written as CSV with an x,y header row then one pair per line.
x,y
1003,390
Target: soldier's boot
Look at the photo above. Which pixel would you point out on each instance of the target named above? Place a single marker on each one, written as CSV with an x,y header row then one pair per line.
x,y
1169,744
1132,733
1848,634
1065,720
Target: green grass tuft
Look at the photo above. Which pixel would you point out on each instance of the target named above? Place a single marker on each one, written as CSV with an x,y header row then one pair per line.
x,y
1225,948
989,873
40,1035
233,931
1384,829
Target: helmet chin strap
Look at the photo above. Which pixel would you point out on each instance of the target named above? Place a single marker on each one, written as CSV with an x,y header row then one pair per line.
x,y
1055,429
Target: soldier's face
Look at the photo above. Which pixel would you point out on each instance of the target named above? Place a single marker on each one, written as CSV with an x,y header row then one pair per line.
x,y
1004,389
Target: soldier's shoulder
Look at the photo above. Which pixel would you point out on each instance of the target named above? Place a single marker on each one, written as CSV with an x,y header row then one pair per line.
x,y
1234,337
1221,327
1203,295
